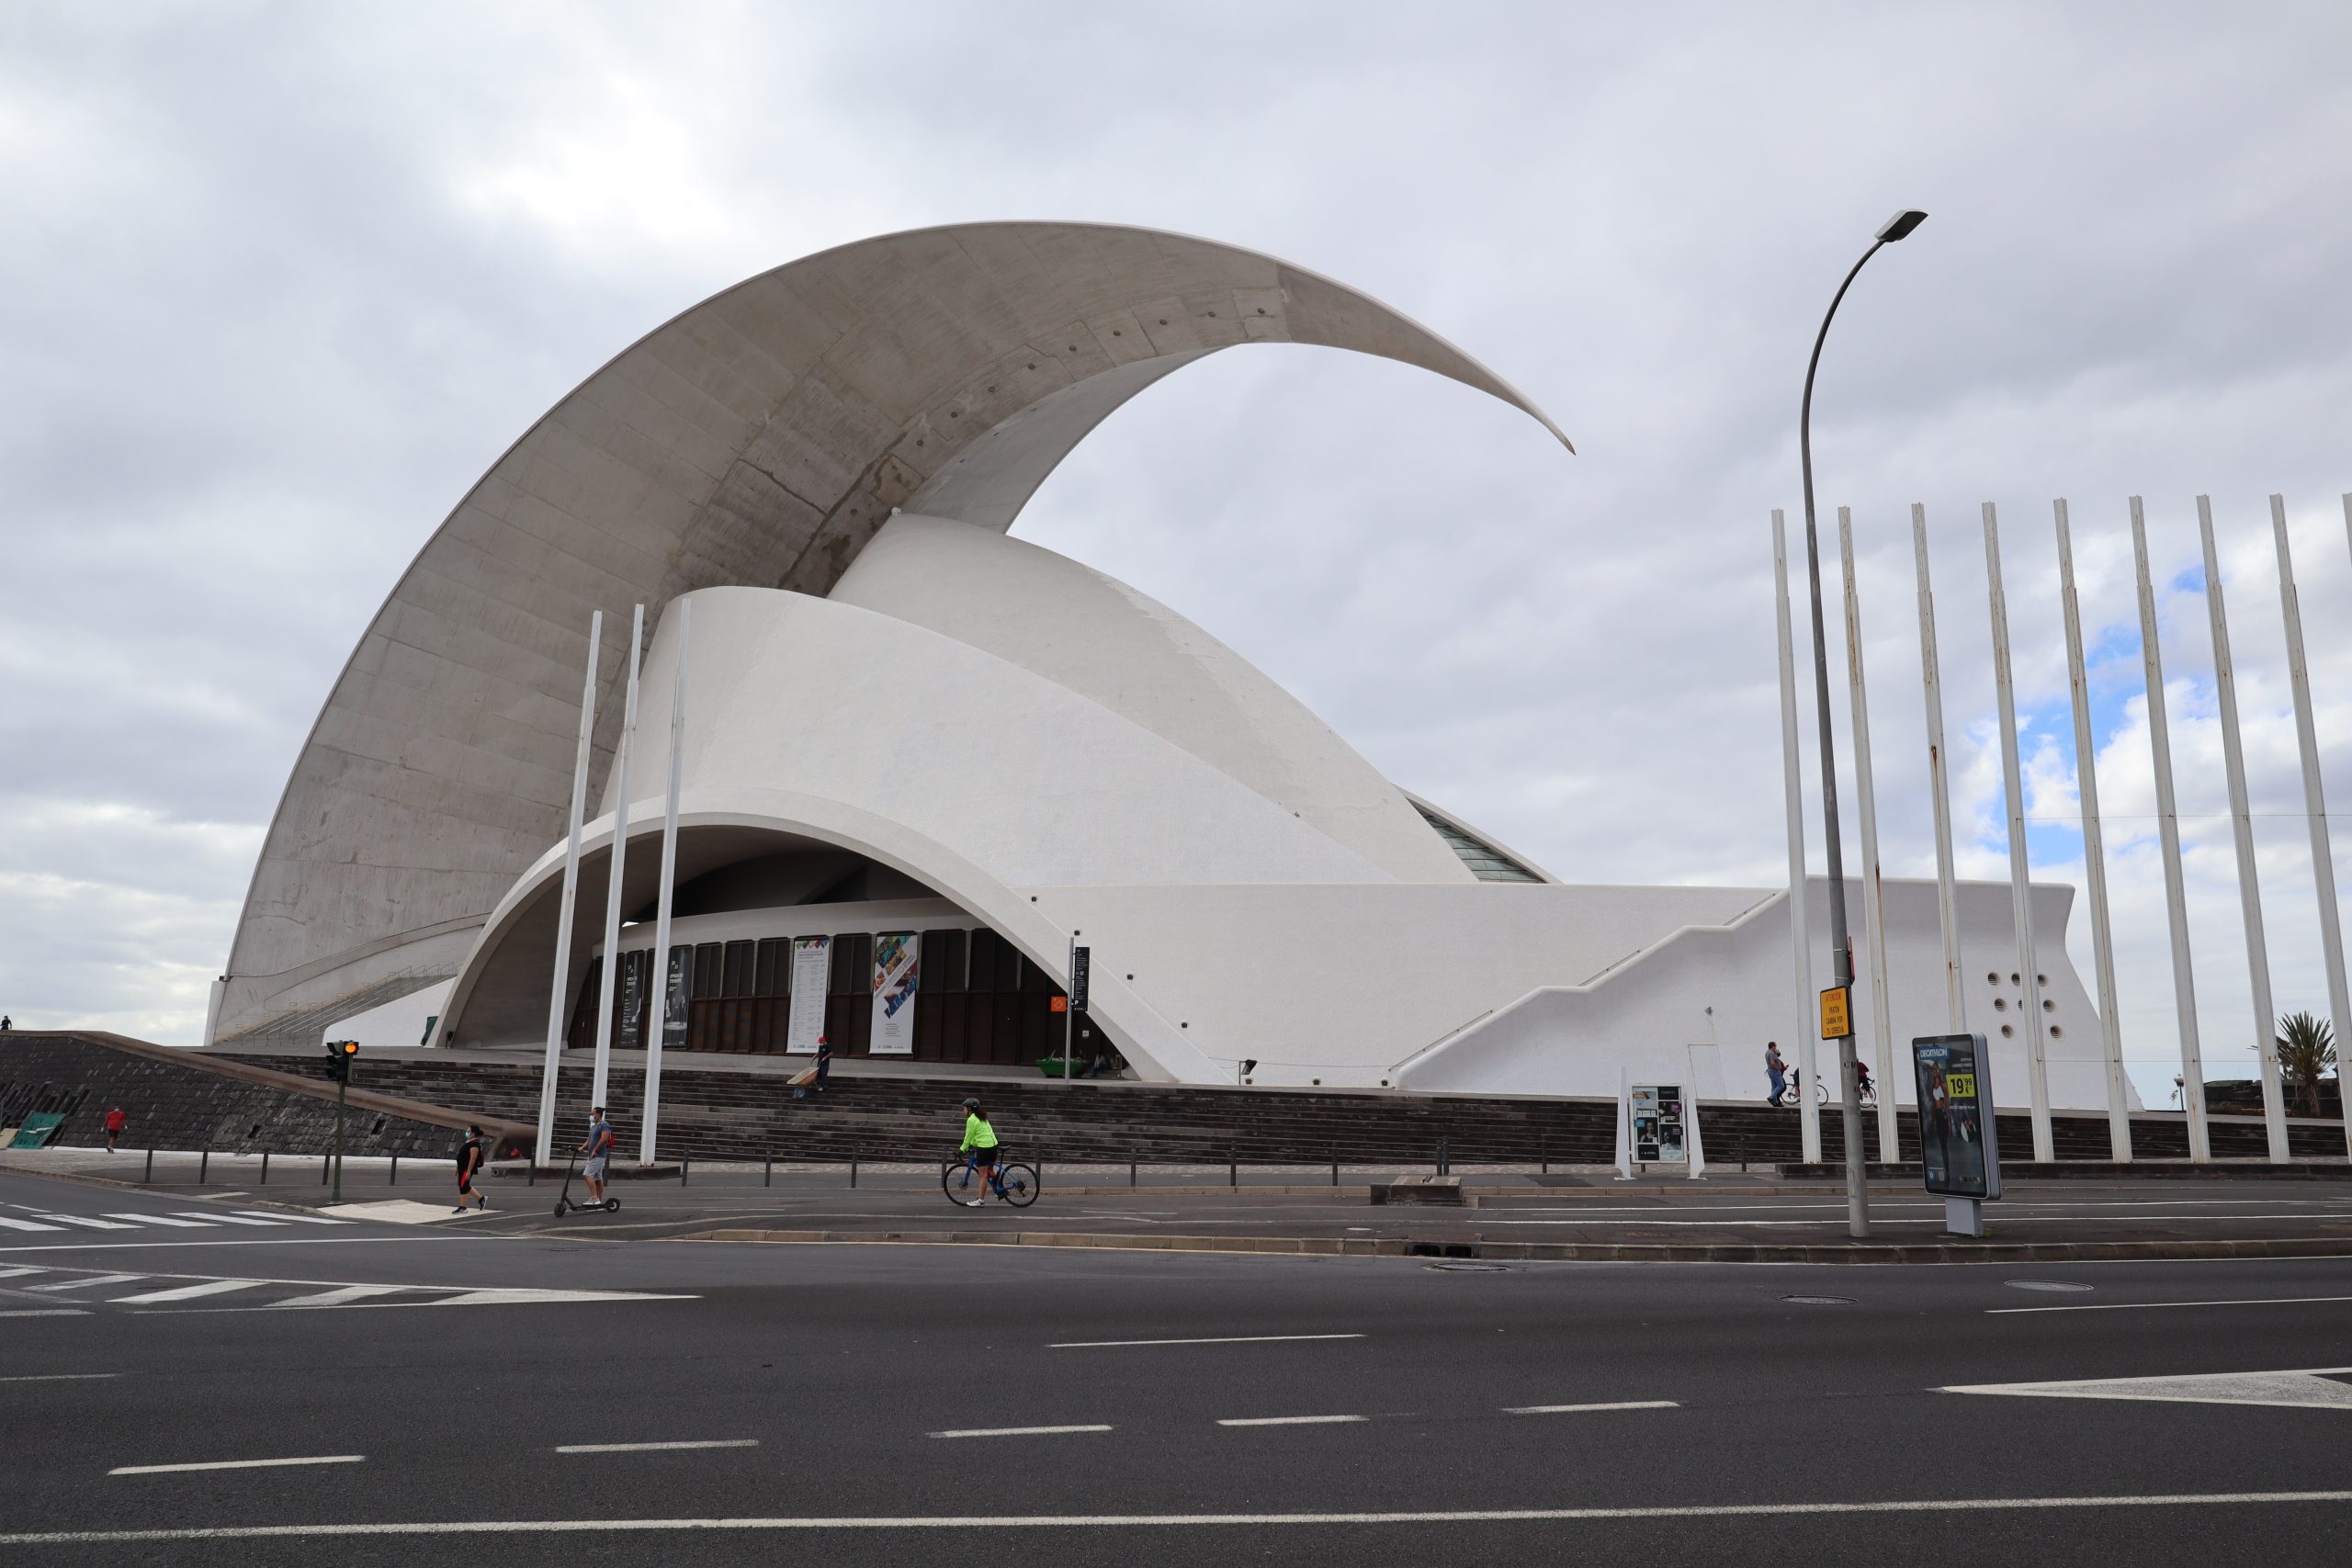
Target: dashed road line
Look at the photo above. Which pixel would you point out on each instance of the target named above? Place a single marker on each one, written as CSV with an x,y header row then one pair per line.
x,y
1577,1409
89,1282
234,1464
186,1293
1225,1340
47,1312
657,1448
2142,1306
1289,1420
60,1377
1019,1432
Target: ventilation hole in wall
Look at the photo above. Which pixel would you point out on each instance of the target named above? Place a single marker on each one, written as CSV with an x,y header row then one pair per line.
x,y
2013,979
1989,980
1033,365
1163,321
2000,1004
2038,979
1114,333
624,872
2055,1033
1262,311
2047,1005
2007,1031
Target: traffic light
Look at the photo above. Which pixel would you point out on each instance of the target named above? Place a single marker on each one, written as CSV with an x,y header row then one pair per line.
x,y
341,1053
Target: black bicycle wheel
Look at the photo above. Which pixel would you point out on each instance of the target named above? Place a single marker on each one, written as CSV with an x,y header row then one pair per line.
x,y
1019,1185
955,1180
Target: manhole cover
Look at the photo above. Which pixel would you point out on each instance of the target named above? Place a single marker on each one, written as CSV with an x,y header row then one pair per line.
x,y
1454,1266
1821,1300
2045,1285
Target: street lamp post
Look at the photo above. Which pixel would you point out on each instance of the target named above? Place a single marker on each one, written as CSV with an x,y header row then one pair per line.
x,y
1841,946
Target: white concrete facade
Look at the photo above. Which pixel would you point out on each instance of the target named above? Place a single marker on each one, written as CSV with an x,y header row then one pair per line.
x,y
883,683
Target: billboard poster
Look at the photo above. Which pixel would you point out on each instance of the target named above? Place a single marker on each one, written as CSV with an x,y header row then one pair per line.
x,y
812,977
1957,1151
634,969
895,954
674,995
1657,1124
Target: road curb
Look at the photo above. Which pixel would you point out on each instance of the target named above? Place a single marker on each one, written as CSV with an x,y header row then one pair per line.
x,y
1562,1252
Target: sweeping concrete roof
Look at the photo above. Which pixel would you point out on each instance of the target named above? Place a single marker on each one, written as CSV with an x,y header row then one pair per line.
x,y
759,439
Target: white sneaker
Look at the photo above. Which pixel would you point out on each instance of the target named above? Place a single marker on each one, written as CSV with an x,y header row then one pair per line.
x,y
974,1202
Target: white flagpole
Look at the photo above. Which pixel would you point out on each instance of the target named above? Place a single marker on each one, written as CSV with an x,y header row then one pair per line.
x,y
2331,928
1799,910
2110,1023
1866,804
658,1020
2020,863
561,991
607,1026
2257,947
1955,1004
2184,980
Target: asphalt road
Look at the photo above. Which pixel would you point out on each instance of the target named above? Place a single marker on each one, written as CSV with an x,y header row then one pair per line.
x,y
1286,1410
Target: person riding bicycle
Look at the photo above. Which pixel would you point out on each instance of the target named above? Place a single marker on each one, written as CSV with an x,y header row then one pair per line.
x,y
1863,1087
980,1145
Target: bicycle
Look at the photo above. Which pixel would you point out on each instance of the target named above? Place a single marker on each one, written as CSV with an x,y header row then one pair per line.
x,y
1016,1181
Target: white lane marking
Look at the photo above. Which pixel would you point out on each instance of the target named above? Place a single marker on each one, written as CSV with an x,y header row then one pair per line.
x,y
24,1225
2301,1388
1162,1521
1229,1339
337,1298
1287,1420
2011,1219
1571,1409
88,1281
88,1221
657,1448
47,1312
187,1293
226,1218
2142,1306
19,1273
521,1297
1018,1431
243,1241
280,1217
233,1464
61,1377
173,1220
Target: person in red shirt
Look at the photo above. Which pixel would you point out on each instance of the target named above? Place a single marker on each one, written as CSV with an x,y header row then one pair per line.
x,y
116,1122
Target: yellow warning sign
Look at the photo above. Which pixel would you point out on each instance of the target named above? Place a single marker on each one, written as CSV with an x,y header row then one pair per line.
x,y
1836,1013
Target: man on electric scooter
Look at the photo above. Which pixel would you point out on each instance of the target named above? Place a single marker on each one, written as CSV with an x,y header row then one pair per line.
x,y
599,1150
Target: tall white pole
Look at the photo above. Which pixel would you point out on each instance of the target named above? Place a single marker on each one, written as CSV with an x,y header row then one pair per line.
x,y
2257,948
607,1026
666,980
1866,804
1955,1003
2110,1022
561,991
1800,909
2331,929
2184,980
2020,863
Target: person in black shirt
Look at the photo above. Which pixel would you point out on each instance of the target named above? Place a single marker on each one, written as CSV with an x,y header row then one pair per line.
x,y
471,1156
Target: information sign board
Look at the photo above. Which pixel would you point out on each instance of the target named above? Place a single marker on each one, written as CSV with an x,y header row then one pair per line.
x,y
1836,1013
1657,1124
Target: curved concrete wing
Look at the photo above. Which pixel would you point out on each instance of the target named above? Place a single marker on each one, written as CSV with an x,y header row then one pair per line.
x,y
758,439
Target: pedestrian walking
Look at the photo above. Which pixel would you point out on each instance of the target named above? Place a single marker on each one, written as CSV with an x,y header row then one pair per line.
x,y
824,1063
6,1023
115,1123
471,1156
1776,1071
598,1147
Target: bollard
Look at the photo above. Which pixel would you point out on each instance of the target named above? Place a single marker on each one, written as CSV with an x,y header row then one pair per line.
x,y
853,1172
767,1170
395,1181
264,1168
1335,1167
1131,1171
151,1164
326,1168
1232,1167
685,1164
533,1179
203,1164
1544,1145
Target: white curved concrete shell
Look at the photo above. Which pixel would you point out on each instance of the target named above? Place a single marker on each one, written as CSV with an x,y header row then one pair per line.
x,y
758,439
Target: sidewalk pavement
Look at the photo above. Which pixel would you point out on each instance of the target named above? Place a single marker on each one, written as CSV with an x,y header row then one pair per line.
x,y
1586,1214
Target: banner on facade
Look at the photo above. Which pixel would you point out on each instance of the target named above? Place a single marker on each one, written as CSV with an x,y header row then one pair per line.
x,y
895,955
634,966
674,1000
812,977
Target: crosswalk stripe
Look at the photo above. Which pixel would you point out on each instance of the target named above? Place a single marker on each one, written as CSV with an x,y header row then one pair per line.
x,y
162,1220
220,1217
96,1225
14,1224
92,1280
284,1216
337,1298
187,1293
19,1273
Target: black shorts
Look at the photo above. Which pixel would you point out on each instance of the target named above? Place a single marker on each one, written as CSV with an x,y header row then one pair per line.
x,y
984,1157
464,1183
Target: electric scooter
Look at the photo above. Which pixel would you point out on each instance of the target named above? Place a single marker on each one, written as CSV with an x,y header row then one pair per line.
x,y
563,1204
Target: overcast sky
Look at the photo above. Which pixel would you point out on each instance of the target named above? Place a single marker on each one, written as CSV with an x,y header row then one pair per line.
x,y
281,281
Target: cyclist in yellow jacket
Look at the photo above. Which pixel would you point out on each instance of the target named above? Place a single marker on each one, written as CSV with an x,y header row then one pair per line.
x,y
979,1143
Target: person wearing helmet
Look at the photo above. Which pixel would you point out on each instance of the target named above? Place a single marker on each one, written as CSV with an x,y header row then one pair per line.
x,y
979,1143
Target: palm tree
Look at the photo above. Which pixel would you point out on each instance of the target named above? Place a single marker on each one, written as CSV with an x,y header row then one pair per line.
x,y
2306,1049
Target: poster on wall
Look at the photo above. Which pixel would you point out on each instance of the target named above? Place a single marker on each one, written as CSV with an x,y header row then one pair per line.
x,y
895,954
674,999
632,1000
812,977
